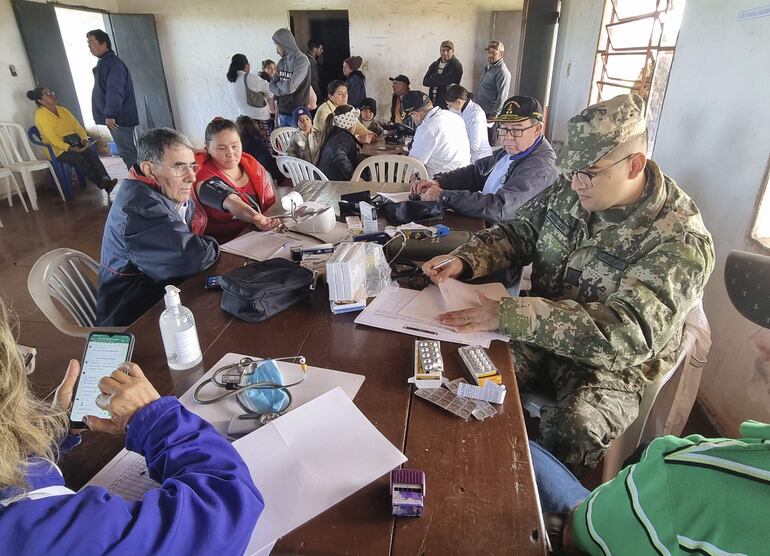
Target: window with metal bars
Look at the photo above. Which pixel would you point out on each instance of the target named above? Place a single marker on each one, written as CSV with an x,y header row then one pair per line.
x,y
635,51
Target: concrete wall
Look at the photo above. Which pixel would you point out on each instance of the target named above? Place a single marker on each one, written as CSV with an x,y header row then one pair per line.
x,y
714,139
573,68
198,38
14,105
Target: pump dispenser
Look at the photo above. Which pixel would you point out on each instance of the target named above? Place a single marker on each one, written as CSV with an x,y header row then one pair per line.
x,y
180,336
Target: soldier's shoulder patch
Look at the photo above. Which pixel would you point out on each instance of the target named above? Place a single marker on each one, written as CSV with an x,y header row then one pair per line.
x,y
612,261
558,222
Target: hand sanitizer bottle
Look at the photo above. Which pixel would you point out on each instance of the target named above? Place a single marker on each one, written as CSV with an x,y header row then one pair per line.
x,y
180,337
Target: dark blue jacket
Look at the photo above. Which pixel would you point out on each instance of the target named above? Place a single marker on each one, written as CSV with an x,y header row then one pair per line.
x,y
339,155
113,94
464,187
356,83
146,246
206,504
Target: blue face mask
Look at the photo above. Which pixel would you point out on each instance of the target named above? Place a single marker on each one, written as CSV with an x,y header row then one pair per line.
x,y
264,400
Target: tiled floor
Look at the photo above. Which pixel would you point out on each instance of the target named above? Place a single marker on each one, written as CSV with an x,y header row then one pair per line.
x,y
78,224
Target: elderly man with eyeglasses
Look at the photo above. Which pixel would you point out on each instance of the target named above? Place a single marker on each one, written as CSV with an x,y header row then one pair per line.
x,y
494,187
149,240
620,256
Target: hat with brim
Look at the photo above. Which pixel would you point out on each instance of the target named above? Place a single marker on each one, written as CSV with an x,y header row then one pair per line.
x,y
495,45
600,129
411,101
402,78
518,109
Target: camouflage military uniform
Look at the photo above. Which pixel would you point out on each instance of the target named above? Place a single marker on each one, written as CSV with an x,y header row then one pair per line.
x,y
610,293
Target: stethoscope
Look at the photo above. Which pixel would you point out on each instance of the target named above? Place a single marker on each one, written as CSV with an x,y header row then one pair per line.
x,y
230,377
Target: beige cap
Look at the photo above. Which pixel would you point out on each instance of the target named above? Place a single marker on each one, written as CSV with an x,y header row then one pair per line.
x,y
495,45
448,44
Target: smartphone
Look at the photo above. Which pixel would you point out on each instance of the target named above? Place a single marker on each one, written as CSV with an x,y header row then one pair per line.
x,y
213,283
104,352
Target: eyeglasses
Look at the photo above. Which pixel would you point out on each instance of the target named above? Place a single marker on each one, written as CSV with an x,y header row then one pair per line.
x,y
181,169
586,178
503,132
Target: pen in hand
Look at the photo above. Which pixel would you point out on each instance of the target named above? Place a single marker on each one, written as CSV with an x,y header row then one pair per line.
x,y
443,263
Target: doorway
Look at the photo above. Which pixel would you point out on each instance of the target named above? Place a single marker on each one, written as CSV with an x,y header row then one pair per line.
x,y
73,26
332,28
63,62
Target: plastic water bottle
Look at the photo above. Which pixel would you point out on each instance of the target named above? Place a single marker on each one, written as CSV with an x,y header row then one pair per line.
x,y
180,336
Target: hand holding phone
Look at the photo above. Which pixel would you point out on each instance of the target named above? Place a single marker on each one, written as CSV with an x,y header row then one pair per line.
x,y
104,353
124,392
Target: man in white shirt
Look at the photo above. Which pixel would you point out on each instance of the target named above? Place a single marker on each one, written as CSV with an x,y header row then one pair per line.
x,y
440,142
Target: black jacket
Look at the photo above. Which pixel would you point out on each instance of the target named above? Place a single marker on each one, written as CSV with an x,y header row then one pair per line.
x,y
339,155
463,188
438,82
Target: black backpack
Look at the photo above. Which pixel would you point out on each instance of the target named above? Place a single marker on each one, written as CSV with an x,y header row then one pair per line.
x,y
259,290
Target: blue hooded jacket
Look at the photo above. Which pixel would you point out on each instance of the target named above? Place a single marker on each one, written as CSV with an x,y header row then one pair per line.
x,y
206,504
146,245
113,93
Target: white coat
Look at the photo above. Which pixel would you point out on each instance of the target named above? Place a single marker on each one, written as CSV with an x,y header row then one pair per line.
x,y
441,142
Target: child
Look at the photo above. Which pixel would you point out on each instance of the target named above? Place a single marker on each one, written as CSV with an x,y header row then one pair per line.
x,y
368,109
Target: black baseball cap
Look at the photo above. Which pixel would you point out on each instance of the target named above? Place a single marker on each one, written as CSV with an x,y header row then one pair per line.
x,y
400,77
517,109
411,101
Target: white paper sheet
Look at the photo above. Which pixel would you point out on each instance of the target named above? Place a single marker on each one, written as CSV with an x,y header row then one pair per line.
x,y
303,463
450,295
385,312
317,382
125,475
310,459
261,246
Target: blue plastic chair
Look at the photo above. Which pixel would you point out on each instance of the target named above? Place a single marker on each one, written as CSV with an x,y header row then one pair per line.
x,y
63,169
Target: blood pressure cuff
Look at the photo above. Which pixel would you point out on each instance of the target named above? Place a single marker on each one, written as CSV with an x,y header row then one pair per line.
x,y
213,193
349,202
427,248
259,290
413,211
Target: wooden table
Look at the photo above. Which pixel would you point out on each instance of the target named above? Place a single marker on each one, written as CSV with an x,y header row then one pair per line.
x,y
481,496
379,147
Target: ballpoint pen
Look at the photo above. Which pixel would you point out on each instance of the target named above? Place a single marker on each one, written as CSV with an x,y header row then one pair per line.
x,y
443,263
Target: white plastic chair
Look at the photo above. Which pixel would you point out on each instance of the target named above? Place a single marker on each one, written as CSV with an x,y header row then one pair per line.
x,y
69,277
8,178
654,409
16,155
299,170
280,138
391,168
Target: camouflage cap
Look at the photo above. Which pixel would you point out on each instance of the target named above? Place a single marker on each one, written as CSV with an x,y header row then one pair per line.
x,y
600,129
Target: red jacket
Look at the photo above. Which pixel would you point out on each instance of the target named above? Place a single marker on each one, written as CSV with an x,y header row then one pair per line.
x,y
219,224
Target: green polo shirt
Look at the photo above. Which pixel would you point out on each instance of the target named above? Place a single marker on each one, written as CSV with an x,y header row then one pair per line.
x,y
686,495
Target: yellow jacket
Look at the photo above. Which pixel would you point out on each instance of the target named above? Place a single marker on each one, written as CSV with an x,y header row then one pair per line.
x,y
53,128
323,112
